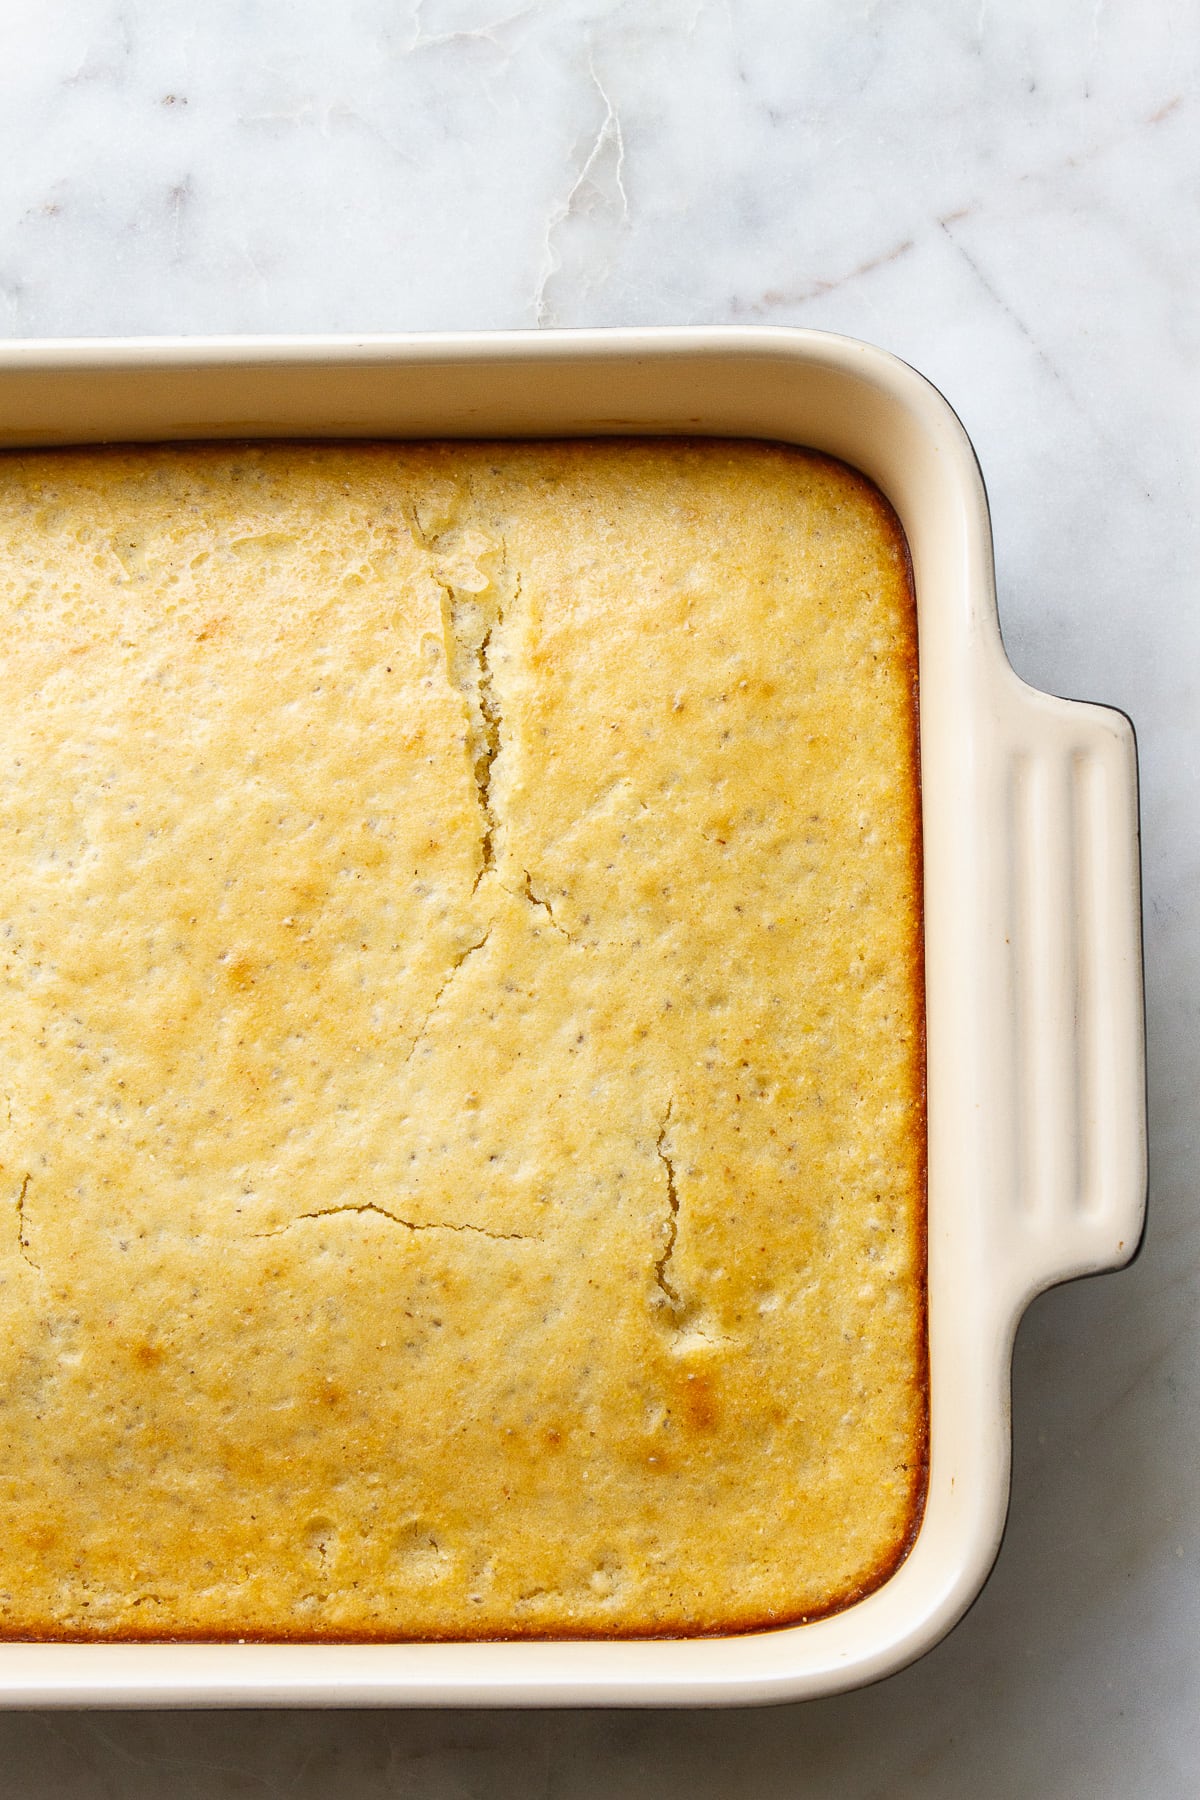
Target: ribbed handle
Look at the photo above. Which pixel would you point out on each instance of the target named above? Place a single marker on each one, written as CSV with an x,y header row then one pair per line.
x,y
1072,950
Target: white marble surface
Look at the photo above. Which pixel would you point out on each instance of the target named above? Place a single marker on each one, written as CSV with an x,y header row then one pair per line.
x,y
1007,196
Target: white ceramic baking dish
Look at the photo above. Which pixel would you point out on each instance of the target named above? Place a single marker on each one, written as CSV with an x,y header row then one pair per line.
x,y
1032,947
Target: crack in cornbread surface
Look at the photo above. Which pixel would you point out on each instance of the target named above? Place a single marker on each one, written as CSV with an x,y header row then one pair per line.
x,y
461,1072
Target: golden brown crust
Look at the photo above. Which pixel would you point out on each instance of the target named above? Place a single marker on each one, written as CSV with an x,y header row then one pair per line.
x,y
462,1034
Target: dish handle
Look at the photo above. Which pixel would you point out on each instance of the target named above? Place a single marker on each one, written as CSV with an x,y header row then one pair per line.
x,y
1069,904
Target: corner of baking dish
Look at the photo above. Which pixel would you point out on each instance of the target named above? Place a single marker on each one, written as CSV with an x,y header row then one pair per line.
x,y
1032,946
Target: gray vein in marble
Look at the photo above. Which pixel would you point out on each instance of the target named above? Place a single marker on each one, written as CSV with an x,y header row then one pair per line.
x,y
486,33
597,189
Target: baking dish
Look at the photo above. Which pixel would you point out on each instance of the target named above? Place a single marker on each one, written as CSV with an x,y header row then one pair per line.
x,y
1036,1152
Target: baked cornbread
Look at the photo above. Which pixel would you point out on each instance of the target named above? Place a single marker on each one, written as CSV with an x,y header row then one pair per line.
x,y
461,1058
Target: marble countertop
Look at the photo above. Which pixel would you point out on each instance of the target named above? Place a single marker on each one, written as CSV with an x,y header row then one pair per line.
x,y
1003,194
